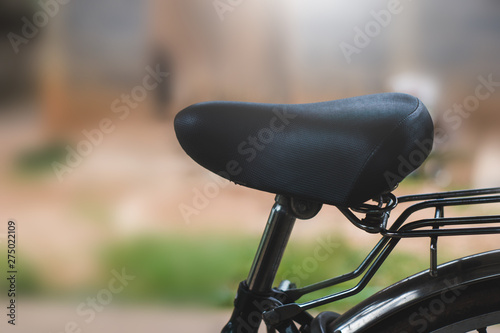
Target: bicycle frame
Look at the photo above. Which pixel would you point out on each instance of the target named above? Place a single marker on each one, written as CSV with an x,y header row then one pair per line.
x,y
257,299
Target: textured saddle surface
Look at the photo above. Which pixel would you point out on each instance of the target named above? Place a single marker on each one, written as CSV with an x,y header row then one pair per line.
x,y
341,152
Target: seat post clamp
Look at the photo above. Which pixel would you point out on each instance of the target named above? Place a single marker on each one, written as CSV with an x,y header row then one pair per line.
x,y
304,209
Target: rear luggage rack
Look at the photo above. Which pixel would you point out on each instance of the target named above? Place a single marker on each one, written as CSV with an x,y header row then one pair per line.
x,y
376,220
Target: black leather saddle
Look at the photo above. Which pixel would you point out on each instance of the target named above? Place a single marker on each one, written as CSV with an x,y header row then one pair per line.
x,y
341,152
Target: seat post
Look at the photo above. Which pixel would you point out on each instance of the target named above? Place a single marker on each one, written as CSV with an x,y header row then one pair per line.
x,y
255,295
272,246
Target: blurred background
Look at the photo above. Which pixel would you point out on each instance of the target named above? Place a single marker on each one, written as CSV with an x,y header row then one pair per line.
x,y
93,175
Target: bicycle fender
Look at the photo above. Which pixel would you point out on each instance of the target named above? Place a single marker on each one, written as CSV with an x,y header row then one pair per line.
x,y
452,277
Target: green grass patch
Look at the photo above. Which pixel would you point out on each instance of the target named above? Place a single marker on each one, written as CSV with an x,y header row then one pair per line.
x,y
206,269
27,280
36,162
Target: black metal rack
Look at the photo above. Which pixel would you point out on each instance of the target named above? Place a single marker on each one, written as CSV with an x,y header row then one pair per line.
x,y
376,220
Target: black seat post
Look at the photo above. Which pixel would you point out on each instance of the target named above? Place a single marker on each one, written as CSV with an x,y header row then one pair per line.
x,y
272,246
255,294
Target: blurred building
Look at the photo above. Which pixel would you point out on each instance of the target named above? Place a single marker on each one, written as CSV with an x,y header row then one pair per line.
x,y
281,51
17,71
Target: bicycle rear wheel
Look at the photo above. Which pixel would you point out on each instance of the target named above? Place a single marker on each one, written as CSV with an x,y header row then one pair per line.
x,y
463,297
473,307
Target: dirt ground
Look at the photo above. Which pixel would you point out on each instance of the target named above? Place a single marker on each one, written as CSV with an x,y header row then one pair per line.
x,y
49,317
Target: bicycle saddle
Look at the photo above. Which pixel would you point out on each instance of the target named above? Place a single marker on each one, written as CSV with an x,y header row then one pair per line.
x,y
340,152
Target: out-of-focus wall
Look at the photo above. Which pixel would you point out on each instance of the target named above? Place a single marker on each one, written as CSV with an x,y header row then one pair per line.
x,y
89,89
285,51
